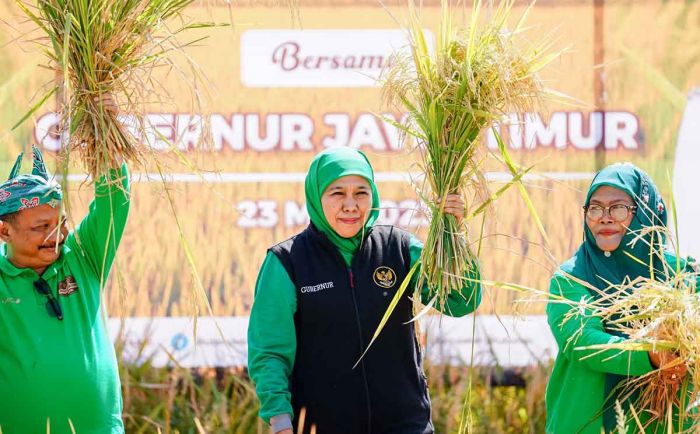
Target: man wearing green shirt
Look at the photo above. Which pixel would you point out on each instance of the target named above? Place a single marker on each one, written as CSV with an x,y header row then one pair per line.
x,y
58,369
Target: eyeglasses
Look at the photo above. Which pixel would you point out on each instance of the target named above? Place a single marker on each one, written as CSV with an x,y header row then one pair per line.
x,y
618,212
52,305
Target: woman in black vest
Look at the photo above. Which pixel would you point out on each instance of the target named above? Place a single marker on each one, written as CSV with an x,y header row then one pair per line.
x,y
319,298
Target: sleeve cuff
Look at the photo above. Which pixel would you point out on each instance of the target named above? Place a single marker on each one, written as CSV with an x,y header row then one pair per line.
x,y
280,422
105,181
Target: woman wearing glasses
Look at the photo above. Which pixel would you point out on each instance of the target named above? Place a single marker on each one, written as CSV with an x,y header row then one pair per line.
x,y
582,389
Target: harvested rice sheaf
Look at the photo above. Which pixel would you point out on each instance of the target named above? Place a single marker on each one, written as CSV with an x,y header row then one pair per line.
x,y
453,95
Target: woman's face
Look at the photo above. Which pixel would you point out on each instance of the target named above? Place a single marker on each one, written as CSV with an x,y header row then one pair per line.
x,y
609,227
346,204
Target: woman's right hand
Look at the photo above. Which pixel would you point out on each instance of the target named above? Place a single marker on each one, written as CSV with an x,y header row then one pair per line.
x,y
286,431
672,369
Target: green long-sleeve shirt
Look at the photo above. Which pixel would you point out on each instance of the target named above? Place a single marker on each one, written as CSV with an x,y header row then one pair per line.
x,y
64,371
576,390
272,349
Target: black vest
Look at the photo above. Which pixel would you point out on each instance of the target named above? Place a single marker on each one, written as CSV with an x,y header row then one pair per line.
x,y
338,311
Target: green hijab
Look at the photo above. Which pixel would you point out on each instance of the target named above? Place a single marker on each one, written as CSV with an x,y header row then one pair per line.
x,y
591,265
326,167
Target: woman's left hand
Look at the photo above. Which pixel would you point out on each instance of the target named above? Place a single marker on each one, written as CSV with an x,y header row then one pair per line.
x,y
454,205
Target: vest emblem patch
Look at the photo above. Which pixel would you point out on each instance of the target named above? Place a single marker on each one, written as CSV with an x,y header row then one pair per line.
x,y
67,286
384,277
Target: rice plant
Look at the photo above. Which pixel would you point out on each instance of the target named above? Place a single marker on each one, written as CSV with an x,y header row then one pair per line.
x,y
475,77
105,46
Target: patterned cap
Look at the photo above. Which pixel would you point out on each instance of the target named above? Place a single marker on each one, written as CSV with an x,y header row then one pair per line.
x,y
30,190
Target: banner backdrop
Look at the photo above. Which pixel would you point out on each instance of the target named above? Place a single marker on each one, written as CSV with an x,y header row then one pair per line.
x,y
280,88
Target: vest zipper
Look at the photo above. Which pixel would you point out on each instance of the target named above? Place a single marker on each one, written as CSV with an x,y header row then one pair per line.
x,y
362,348
351,279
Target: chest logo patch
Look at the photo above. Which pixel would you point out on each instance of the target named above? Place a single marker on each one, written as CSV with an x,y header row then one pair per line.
x,y
67,286
384,277
10,300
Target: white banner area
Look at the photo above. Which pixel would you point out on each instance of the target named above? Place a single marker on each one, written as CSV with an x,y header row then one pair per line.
x,y
506,341
319,58
685,178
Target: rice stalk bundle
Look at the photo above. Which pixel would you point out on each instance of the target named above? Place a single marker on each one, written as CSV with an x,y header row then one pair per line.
x,y
657,313
99,47
105,46
452,96
661,316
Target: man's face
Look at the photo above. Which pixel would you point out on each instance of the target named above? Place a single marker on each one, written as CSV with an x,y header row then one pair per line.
x,y
34,236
